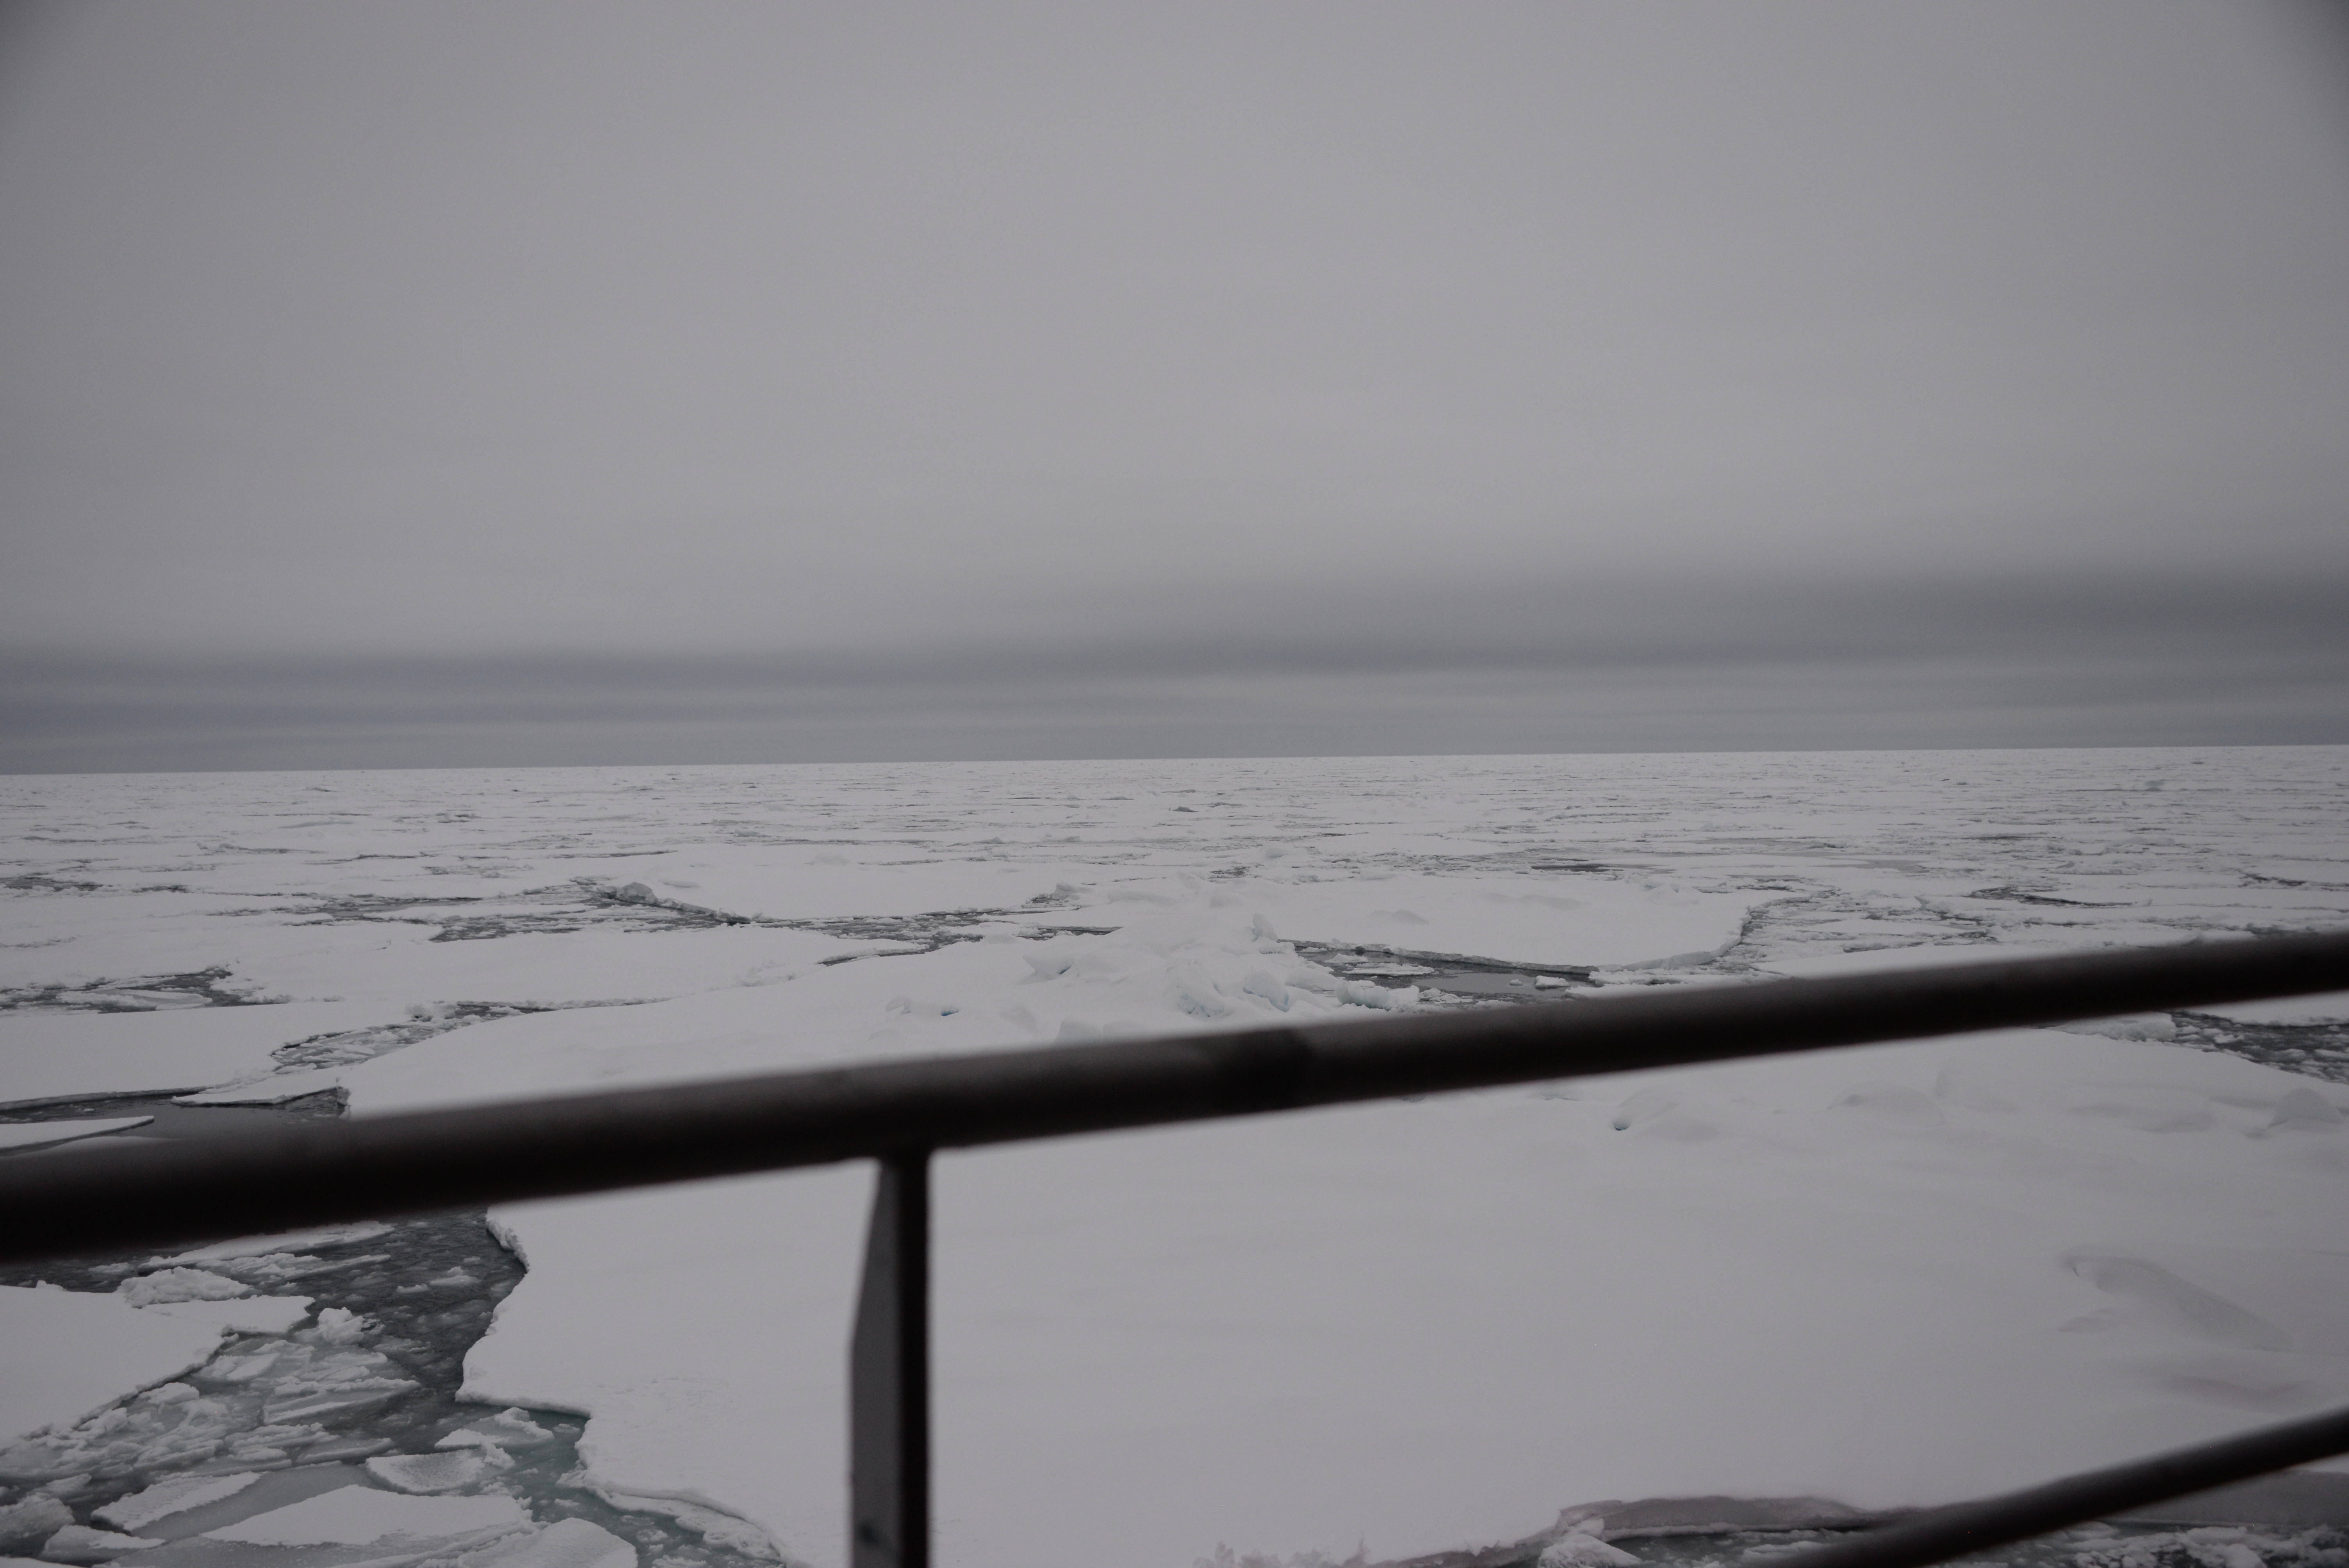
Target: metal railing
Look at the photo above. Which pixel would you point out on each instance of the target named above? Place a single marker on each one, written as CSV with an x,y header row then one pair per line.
x,y
899,1113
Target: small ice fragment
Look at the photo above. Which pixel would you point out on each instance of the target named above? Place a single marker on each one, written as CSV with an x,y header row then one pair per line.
x,y
344,1449
79,1543
303,1406
1551,982
240,1369
508,1428
287,1242
1578,1550
173,1494
427,1472
513,1428
1257,983
1400,1000
717,1529
340,1325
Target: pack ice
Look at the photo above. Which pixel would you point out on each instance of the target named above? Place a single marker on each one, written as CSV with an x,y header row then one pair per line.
x,y
1404,1327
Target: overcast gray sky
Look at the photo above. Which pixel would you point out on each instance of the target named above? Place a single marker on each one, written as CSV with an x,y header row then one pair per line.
x,y
487,383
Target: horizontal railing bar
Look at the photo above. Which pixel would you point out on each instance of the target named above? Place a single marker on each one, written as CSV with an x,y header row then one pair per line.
x,y
1941,1534
412,1162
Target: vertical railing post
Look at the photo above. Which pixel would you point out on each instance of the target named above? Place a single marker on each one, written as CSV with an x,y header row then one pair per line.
x,y
889,1376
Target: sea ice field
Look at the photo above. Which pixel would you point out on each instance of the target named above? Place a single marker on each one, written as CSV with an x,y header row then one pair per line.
x,y
1500,1326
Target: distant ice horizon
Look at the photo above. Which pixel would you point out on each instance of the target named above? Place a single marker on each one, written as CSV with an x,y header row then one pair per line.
x,y
1079,760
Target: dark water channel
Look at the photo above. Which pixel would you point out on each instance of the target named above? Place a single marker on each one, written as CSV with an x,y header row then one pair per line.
x,y
372,1372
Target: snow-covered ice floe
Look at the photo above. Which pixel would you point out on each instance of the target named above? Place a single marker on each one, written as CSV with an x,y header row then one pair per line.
x,y
1885,1276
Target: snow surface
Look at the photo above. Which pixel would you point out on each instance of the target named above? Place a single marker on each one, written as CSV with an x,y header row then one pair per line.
x,y
253,1314
1407,1326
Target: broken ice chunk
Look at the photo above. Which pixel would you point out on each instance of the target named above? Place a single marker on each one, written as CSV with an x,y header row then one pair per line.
x,y
278,1268
174,1494
36,1517
179,1285
1578,1550
79,1543
1259,983
722,1529
287,1242
362,1516
360,1395
509,1428
1402,1000
427,1472
569,1543
340,1325
344,1449
240,1369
